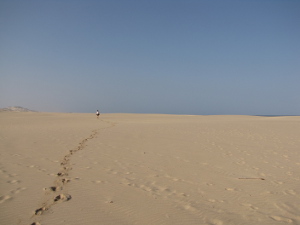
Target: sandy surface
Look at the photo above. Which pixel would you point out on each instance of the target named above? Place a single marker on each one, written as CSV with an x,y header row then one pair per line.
x,y
148,169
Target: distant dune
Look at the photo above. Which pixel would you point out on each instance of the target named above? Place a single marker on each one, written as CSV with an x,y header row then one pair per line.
x,y
16,109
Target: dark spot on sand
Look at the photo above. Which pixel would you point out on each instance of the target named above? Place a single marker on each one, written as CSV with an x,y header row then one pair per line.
x,y
53,188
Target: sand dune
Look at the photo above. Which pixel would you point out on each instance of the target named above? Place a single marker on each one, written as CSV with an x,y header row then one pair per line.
x,y
148,169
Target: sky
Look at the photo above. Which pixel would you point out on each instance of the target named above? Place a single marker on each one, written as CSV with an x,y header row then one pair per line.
x,y
197,57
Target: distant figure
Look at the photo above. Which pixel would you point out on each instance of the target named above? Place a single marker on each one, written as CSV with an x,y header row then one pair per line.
x,y
97,113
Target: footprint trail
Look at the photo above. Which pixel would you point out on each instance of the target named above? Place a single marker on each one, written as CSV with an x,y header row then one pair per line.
x,y
58,193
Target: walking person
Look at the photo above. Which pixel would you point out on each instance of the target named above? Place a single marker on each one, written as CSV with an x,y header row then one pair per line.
x,y
97,114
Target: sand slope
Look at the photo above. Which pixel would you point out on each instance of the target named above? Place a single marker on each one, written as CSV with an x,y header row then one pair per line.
x,y
148,169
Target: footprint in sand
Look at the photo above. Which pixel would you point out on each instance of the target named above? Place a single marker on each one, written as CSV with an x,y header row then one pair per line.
x,y
62,197
14,181
99,182
40,211
18,190
9,196
189,208
61,174
35,223
250,206
61,180
290,192
277,182
230,189
58,198
33,166
4,198
53,188
215,201
65,180
281,219
6,174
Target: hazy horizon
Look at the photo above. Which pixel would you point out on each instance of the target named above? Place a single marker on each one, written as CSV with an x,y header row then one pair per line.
x,y
136,56
32,110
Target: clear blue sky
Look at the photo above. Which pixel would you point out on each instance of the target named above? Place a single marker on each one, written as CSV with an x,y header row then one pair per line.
x,y
151,56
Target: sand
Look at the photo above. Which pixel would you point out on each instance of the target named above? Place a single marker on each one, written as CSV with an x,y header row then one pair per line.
x,y
147,169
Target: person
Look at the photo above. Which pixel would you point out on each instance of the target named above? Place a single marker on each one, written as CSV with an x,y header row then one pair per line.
x,y
97,113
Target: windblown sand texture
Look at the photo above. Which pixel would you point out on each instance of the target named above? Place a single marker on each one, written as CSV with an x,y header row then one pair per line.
x,y
124,169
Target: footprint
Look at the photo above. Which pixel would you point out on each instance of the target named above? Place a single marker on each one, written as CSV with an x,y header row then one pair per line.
x,y
99,182
33,166
53,188
4,198
18,190
215,201
13,181
6,174
62,197
229,189
182,194
61,174
281,219
290,192
277,182
65,180
189,207
35,223
60,180
40,211
249,205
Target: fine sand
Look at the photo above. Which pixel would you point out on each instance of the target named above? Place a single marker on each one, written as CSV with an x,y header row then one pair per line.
x,y
148,169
